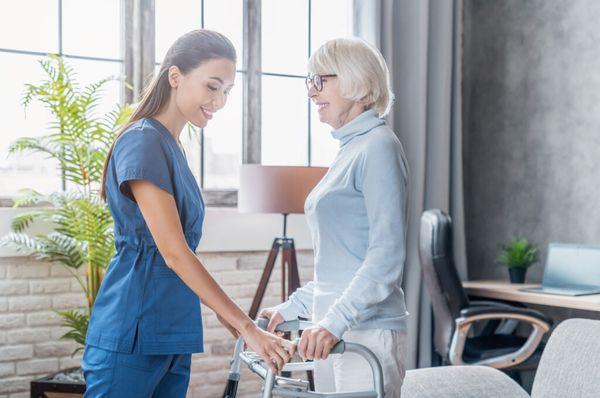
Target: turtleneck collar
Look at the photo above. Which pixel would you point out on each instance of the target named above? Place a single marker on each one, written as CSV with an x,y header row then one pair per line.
x,y
361,124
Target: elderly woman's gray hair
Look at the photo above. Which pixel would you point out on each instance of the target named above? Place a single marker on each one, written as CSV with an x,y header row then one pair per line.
x,y
361,70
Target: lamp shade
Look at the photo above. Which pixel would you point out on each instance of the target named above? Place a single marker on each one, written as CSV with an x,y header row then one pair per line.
x,y
276,189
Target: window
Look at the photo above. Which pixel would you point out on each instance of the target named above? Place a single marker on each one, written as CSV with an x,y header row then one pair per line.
x,y
290,132
214,153
91,46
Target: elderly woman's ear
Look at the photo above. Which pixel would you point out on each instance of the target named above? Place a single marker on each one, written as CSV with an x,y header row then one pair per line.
x,y
364,101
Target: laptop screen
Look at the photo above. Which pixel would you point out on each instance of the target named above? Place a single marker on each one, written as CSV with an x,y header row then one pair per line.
x,y
572,265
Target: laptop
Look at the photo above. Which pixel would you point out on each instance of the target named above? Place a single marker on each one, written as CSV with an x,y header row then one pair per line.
x,y
571,270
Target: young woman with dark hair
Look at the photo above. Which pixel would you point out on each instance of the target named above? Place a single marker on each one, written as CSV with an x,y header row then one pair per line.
x,y
146,320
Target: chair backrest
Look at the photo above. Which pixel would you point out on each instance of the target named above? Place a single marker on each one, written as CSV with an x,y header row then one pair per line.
x,y
570,364
441,278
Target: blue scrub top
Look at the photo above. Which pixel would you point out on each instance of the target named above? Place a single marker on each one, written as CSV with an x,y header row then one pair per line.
x,y
142,305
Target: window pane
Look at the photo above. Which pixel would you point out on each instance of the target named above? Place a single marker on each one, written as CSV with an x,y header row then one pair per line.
x,y
190,139
23,171
330,19
97,36
30,25
226,17
284,36
223,143
88,72
173,19
323,145
284,121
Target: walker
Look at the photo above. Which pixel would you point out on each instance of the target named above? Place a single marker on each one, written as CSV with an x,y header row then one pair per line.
x,y
274,385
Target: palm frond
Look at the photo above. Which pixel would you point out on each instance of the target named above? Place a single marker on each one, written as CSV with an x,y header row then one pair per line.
x,y
77,322
22,243
27,197
21,221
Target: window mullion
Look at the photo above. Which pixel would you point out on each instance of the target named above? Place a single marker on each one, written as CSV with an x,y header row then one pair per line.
x,y
309,129
251,124
138,45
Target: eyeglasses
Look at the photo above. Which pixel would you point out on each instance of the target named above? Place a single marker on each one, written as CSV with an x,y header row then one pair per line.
x,y
316,81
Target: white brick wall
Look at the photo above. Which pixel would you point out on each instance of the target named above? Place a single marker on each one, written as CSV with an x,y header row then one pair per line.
x,y
30,344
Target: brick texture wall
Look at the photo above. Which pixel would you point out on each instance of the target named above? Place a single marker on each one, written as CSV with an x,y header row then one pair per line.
x,y
30,344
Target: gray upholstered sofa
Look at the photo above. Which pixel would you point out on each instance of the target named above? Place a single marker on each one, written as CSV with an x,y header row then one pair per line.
x,y
569,368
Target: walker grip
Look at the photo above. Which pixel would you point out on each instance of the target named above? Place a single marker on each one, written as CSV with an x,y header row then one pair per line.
x,y
262,323
338,348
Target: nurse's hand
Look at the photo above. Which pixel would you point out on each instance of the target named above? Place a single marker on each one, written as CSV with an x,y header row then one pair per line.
x,y
274,350
274,317
316,343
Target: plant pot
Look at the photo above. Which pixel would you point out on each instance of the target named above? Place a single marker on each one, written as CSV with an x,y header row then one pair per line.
x,y
517,274
67,383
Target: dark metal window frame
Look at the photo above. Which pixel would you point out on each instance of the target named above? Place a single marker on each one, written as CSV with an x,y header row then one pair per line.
x,y
252,98
143,54
8,201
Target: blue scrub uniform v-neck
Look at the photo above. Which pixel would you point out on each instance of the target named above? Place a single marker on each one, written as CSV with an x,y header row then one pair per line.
x,y
145,317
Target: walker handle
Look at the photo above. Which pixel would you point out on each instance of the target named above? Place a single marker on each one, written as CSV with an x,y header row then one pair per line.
x,y
290,326
297,324
262,323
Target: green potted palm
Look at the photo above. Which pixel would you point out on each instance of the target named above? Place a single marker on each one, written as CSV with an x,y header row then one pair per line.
x,y
518,255
81,233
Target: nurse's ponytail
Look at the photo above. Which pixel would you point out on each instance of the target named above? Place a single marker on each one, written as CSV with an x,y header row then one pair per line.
x,y
187,53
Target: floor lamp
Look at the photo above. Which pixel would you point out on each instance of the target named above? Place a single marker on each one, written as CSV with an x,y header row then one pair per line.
x,y
277,189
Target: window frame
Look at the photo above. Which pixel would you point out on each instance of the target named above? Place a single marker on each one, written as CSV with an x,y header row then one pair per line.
x,y
252,98
9,200
137,60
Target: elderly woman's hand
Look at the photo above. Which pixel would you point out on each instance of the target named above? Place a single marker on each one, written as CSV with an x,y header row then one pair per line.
x,y
316,343
274,318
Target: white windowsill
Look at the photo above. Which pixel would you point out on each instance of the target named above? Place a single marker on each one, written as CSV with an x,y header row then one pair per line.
x,y
225,230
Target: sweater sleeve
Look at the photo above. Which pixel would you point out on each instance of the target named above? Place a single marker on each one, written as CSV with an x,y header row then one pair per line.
x,y
382,178
299,303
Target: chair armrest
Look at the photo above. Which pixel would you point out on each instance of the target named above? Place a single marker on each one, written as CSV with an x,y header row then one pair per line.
x,y
510,312
540,325
504,326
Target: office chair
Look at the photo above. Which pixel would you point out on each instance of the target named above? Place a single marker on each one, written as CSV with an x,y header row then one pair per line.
x,y
455,338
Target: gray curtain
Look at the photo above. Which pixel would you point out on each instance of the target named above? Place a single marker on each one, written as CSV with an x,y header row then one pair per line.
x,y
421,41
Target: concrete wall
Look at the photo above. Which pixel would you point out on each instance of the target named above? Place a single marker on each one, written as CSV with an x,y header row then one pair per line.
x,y
30,332
531,114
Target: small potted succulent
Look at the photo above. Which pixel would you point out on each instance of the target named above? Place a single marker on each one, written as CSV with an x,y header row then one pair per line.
x,y
518,255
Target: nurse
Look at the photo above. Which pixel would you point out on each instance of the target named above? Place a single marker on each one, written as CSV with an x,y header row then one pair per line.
x,y
146,321
358,219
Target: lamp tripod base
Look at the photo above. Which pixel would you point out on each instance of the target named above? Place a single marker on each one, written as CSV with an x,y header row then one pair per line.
x,y
289,267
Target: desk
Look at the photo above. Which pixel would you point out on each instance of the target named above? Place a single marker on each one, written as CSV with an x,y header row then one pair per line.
x,y
501,290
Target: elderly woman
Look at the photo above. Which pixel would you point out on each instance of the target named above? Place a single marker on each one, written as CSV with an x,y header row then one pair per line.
x,y
358,216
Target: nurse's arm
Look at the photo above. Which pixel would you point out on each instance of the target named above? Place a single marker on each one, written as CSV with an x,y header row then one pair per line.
x,y
160,213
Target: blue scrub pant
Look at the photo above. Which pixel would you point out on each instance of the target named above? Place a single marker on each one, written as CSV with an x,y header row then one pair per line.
x,y
114,374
